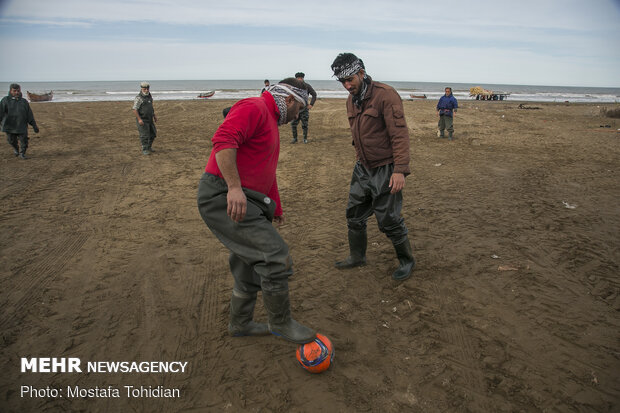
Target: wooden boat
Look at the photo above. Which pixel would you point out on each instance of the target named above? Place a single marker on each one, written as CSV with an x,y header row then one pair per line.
x,y
417,96
206,94
45,97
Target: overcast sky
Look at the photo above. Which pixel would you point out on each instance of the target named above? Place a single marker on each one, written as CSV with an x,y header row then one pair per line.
x,y
538,42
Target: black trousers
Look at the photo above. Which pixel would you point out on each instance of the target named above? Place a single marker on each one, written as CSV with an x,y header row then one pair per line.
x,y
259,257
147,133
370,193
304,115
14,138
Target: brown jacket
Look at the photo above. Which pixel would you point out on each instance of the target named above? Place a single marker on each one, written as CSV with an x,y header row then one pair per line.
x,y
379,129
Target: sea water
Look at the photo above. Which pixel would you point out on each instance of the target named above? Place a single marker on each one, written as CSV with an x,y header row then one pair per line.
x,y
239,89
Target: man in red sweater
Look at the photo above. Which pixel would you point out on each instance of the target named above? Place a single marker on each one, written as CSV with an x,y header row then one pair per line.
x,y
238,199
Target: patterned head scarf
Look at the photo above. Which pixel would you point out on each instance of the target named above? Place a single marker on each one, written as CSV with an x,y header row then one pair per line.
x,y
348,69
280,91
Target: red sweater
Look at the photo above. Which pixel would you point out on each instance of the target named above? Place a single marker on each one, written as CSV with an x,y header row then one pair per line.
x,y
251,127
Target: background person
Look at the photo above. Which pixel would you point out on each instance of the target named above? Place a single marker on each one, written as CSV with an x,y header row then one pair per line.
x,y
15,116
145,118
304,114
446,108
381,140
267,84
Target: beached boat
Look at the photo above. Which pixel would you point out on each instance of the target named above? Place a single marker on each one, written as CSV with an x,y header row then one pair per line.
x,y
417,96
483,94
45,97
206,94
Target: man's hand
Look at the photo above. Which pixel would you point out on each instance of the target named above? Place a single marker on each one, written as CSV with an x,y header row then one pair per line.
x,y
309,107
154,118
141,122
279,220
36,129
397,182
237,204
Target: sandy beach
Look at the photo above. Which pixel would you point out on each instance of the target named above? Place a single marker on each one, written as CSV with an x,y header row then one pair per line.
x,y
514,305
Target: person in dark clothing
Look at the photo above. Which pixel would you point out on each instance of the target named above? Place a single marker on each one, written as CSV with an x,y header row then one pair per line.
x,y
381,141
238,199
15,116
446,108
265,88
145,118
304,114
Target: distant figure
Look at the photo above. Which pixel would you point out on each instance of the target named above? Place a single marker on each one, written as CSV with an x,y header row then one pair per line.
x,y
15,116
304,114
239,201
446,108
265,88
381,141
145,118
225,111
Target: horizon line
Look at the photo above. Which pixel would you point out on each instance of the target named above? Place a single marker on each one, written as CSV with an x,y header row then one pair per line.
x,y
309,81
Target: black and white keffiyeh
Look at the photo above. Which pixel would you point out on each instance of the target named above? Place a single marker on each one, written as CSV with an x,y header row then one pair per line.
x,y
357,99
280,91
347,69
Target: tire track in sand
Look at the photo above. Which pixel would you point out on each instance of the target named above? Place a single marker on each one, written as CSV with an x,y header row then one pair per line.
x,y
200,342
453,333
35,282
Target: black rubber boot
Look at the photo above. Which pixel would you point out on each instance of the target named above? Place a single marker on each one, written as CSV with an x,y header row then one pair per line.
x,y
281,323
406,260
441,134
241,314
15,152
450,135
357,250
22,155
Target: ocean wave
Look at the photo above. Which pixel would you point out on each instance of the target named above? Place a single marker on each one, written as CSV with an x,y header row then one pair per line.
x,y
326,89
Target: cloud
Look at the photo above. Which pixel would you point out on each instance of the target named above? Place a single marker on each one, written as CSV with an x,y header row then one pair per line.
x,y
118,60
390,15
63,23
532,41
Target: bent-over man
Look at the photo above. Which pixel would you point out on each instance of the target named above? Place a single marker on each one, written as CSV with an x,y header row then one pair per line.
x,y
238,199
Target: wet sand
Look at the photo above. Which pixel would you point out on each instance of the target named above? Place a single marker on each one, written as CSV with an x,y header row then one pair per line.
x,y
514,304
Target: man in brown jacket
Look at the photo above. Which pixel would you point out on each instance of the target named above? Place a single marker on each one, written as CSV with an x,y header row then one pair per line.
x,y
381,141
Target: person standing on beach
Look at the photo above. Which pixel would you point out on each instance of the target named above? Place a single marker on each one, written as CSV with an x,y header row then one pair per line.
x,y
381,141
238,199
15,116
446,108
304,114
266,86
145,118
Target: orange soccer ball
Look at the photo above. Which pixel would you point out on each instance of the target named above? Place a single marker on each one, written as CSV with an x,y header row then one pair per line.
x,y
317,355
